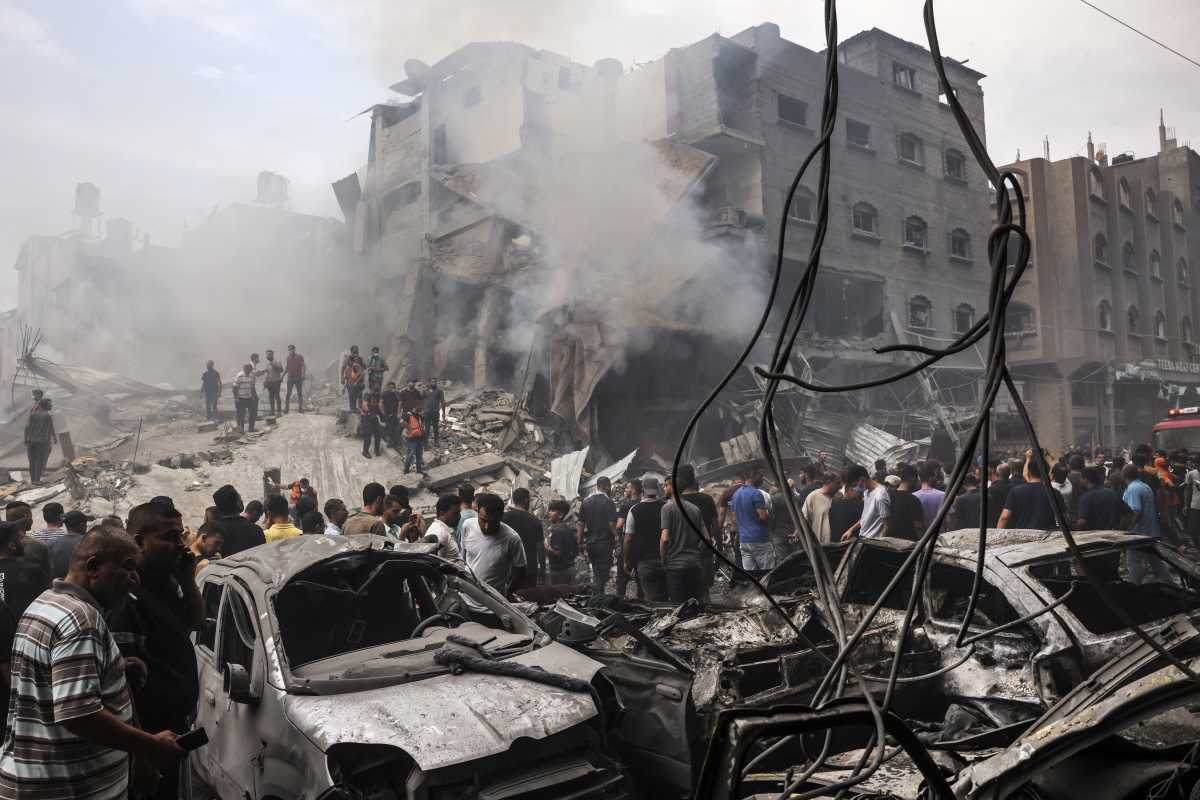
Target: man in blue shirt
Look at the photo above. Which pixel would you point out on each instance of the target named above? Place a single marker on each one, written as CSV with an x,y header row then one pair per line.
x,y
1140,499
750,508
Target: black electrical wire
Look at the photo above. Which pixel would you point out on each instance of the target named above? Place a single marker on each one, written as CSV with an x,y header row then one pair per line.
x,y
920,558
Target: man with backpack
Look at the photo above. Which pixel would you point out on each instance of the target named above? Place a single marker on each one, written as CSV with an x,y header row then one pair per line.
x,y
414,441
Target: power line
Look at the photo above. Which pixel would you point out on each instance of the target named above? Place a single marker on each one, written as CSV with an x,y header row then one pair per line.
x,y
1143,34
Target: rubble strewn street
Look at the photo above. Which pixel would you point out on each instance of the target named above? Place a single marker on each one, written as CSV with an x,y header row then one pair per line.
x,y
715,419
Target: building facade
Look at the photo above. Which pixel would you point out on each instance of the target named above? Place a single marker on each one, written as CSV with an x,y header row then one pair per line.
x,y
460,216
1101,331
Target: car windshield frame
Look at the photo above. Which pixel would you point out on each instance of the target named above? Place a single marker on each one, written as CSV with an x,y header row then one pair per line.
x,y
457,586
1089,610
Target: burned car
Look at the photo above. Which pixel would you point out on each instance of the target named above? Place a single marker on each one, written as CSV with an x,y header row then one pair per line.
x,y
677,669
362,667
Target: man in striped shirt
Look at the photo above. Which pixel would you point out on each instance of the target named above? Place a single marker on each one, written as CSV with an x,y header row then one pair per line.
x,y
70,732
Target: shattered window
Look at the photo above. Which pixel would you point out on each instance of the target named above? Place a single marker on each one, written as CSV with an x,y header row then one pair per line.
x,y
212,607
904,76
911,149
237,633
864,218
1155,264
358,601
950,593
793,110
920,313
916,233
960,243
802,204
956,165
1138,579
858,133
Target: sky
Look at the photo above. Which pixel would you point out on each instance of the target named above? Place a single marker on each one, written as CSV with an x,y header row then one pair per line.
x,y
172,107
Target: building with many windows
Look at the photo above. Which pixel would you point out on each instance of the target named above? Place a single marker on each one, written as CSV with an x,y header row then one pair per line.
x,y
1101,333
450,212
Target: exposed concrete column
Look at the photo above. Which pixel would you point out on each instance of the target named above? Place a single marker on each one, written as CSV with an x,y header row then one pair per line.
x,y
489,322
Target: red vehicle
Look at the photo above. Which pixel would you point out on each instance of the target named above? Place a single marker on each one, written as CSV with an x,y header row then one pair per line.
x,y
1179,431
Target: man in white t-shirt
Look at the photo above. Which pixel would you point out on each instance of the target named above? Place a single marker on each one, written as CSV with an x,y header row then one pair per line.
x,y
877,505
492,550
441,530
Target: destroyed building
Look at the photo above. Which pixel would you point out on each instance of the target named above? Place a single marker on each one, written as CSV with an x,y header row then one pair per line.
x,y
1101,330
597,239
209,292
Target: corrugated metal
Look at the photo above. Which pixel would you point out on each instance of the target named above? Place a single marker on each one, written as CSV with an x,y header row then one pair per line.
x,y
867,444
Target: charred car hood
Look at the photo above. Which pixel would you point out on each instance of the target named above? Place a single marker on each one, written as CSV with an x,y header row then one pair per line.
x,y
451,719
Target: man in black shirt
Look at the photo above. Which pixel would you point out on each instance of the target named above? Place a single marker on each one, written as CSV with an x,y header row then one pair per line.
x,y
390,401
908,516
844,512
998,492
21,580
708,513
529,528
643,531
1100,508
1027,505
240,533
155,624
965,511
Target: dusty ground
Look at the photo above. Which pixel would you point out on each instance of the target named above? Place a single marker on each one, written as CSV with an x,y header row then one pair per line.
x,y
301,445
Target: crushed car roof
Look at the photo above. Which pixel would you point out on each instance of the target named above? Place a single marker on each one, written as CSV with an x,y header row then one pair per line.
x,y
1020,546
278,562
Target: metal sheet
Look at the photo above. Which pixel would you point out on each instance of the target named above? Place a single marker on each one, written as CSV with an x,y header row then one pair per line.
x,y
867,444
452,719
612,472
565,473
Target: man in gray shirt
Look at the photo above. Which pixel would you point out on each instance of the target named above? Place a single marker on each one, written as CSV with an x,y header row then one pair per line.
x,y
680,548
492,550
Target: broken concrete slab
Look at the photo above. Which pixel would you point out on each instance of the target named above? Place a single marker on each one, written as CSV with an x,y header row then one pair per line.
x,y
612,472
464,469
40,494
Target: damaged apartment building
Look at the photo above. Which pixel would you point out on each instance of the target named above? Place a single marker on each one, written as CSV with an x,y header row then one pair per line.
x,y
599,239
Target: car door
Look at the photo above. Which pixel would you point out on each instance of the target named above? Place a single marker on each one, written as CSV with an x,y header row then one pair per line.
x,y
211,590
234,748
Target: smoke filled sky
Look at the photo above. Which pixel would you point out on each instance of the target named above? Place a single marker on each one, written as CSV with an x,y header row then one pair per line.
x,y
173,106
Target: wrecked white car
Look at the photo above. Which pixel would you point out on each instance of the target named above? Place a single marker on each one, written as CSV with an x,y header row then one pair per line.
x,y
361,667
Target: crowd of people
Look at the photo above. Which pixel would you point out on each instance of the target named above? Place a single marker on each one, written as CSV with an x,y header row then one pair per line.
x,y
245,387
1142,492
410,417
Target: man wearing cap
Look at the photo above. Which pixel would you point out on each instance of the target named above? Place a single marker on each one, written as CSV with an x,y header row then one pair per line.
x,y
62,548
53,514
240,533
642,531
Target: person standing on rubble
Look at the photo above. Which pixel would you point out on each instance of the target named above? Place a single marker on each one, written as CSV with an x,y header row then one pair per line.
x,y
272,381
354,378
376,368
680,547
640,554
754,535
817,506
297,373
210,389
434,408
596,532
414,441
633,496
258,373
390,403
39,439
690,487
245,398
561,547
371,424
410,398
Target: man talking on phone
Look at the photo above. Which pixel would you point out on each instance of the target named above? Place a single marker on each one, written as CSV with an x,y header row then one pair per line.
x,y
155,624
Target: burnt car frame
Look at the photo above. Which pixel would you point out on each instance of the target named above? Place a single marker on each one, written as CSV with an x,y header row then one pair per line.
x,y
320,676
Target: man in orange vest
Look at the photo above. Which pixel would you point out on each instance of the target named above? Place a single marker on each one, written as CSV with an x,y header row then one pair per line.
x,y
414,441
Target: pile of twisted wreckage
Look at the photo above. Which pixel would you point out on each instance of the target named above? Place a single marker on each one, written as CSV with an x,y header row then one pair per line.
x,y
1062,699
